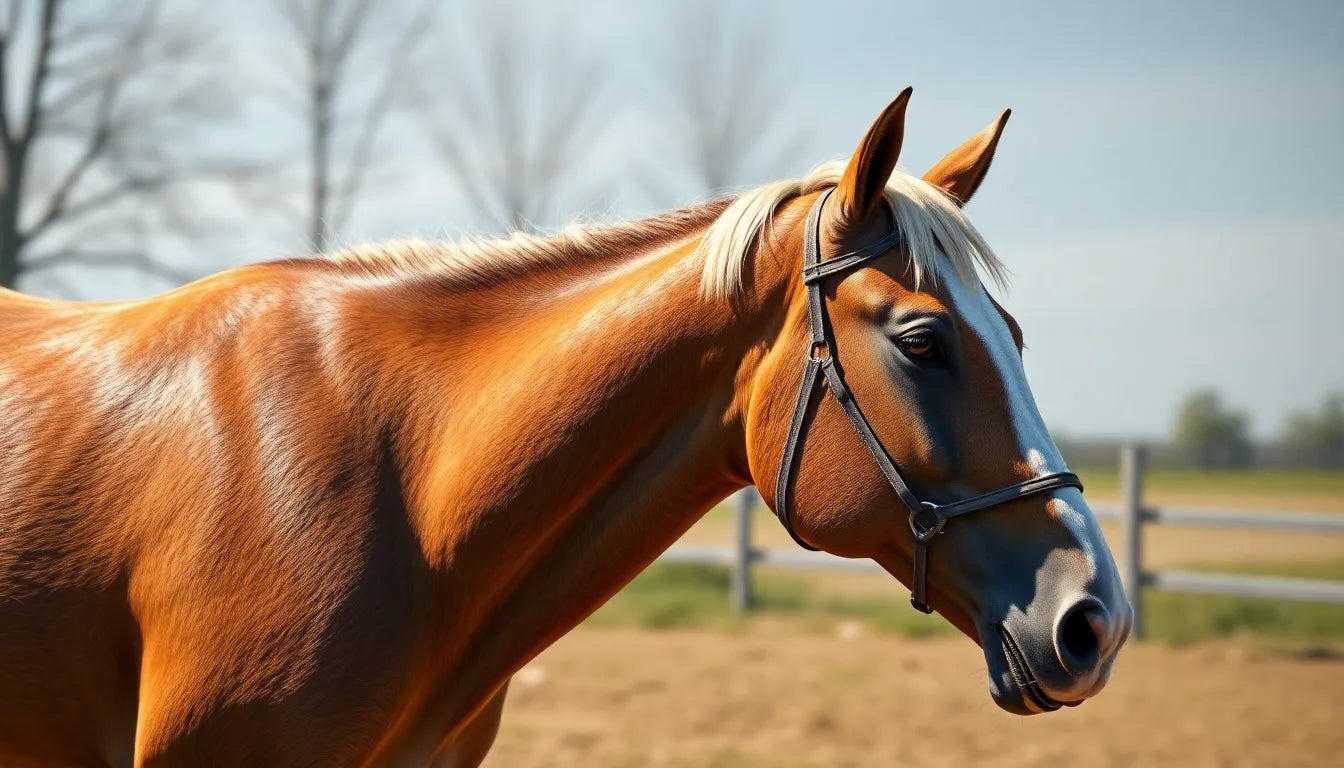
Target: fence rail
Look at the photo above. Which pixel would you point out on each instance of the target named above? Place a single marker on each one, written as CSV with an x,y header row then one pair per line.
x,y
1130,513
1213,517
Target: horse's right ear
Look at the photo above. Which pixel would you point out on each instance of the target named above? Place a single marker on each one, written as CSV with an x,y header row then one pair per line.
x,y
960,173
860,189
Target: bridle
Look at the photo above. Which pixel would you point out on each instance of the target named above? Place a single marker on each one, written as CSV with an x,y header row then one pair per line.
x,y
926,518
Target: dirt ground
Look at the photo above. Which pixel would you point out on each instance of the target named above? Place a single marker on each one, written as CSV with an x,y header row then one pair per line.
x,y
773,697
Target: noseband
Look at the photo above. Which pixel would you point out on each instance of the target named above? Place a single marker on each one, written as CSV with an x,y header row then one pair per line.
x,y
926,518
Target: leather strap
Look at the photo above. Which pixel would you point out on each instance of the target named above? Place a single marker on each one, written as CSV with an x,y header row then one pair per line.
x,y
788,461
926,519
814,273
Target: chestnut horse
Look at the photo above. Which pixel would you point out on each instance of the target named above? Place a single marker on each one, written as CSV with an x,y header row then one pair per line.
x,y
318,511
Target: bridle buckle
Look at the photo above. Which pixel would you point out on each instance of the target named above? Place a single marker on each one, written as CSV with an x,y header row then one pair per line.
x,y
927,521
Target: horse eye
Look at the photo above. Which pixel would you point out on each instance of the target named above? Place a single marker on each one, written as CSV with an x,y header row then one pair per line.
x,y
920,345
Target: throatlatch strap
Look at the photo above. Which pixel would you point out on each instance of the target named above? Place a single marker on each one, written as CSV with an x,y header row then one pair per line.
x,y
920,587
788,462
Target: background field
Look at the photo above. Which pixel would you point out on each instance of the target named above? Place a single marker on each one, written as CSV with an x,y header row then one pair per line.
x,y
835,669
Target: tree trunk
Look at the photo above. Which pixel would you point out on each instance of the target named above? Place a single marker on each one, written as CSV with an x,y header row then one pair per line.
x,y
318,233
11,240
9,261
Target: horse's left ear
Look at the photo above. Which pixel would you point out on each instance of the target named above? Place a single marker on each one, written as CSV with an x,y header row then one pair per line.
x,y
860,188
960,173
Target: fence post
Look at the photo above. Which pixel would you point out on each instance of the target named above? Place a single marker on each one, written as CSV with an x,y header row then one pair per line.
x,y
746,502
1131,511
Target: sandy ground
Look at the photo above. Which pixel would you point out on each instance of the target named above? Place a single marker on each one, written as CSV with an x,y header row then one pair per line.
x,y
772,697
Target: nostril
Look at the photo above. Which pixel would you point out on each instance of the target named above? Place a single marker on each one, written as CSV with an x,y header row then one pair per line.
x,y
1077,641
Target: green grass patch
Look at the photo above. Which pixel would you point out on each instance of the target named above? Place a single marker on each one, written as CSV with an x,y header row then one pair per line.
x,y
1105,481
676,595
1178,617
681,595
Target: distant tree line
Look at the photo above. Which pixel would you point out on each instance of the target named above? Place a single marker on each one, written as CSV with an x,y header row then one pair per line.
x,y
1213,434
1319,437
1210,434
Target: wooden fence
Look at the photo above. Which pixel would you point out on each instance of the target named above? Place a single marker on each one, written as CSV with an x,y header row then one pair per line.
x,y
1131,513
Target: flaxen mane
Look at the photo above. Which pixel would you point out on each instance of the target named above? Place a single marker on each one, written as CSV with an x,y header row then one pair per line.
x,y
933,225
475,262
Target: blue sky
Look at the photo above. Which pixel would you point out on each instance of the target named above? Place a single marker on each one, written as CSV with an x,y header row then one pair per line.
x,y
1167,194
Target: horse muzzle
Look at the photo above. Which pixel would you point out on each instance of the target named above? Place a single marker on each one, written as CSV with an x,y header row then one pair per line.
x,y
1040,666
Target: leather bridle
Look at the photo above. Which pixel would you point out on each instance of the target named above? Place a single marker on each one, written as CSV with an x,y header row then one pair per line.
x,y
926,518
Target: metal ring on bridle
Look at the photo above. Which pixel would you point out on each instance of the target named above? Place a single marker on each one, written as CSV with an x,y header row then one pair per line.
x,y
924,531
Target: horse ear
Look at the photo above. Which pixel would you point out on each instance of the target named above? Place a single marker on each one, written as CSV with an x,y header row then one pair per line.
x,y
860,189
960,173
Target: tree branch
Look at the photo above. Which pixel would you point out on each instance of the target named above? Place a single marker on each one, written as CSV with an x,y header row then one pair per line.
x,y
376,113
125,187
341,140
721,89
343,44
5,35
56,204
512,139
459,166
117,91
15,15
104,128
41,67
129,259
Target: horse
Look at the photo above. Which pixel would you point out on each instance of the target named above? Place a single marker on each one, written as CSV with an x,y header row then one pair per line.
x,y
319,511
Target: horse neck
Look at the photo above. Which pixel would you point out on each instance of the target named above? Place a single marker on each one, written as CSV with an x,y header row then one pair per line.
x,y
561,431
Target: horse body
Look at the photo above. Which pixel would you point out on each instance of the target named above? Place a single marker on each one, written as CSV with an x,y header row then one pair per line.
x,y
317,512
283,485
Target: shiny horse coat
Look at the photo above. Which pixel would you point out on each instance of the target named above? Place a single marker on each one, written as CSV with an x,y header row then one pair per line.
x,y
317,512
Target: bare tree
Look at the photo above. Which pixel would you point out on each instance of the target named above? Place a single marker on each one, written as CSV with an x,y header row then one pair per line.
x,y
355,60
98,100
518,116
722,74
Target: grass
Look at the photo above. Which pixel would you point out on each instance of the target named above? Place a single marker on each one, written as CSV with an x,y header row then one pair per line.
x,y
679,595
673,595
1177,617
